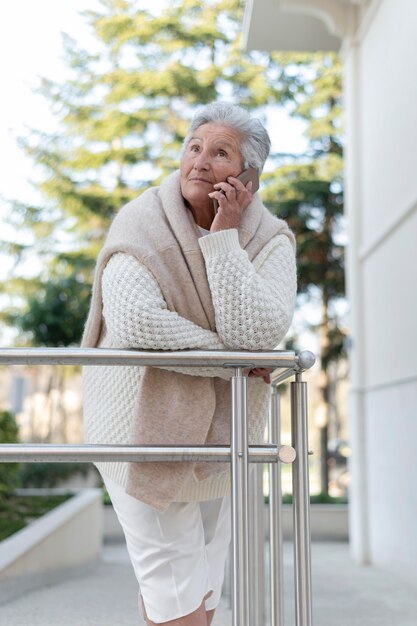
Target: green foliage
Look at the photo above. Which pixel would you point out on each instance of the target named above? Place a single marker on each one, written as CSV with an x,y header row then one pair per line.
x,y
9,429
309,195
50,474
16,512
313,207
9,472
106,498
319,498
123,113
54,314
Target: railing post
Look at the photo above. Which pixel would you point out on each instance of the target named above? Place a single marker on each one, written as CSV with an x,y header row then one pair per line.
x,y
240,512
257,546
301,504
276,556
242,590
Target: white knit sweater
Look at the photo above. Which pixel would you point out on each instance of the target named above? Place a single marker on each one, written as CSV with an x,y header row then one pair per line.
x,y
253,305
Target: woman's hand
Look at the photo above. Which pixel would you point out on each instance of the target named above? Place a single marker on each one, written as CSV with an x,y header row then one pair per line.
x,y
233,198
259,372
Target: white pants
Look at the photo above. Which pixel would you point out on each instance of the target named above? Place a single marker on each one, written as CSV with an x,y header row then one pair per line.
x,y
179,555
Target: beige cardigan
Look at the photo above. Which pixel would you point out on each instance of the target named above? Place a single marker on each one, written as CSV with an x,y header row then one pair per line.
x,y
158,230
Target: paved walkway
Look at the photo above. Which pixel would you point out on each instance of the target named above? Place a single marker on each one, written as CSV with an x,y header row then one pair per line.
x,y
345,594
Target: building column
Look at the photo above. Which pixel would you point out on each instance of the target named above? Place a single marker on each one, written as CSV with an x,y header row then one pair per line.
x,y
358,491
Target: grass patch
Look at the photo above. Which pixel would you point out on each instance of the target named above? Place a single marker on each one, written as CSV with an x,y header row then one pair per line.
x,y
106,498
16,512
318,498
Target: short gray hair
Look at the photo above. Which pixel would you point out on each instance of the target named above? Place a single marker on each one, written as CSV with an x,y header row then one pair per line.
x,y
256,143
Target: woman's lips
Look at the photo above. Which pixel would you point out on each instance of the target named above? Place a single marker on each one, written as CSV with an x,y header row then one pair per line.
x,y
201,180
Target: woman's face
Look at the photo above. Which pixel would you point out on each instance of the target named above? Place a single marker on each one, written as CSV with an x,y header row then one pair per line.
x,y
212,154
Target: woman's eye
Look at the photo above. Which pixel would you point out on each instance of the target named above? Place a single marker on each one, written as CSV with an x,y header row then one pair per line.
x,y
221,153
194,148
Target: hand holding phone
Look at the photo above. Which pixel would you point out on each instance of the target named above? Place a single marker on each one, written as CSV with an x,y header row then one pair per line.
x,y
250,174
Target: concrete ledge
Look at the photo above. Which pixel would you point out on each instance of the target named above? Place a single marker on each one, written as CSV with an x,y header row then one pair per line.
x,y
329,522
112,530
65,541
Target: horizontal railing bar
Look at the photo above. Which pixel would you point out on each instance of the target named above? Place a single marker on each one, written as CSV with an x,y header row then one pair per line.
x,y
101,356
279,376
62,453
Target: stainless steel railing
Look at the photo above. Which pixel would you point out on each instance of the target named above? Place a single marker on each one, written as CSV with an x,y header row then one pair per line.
x,y
247,590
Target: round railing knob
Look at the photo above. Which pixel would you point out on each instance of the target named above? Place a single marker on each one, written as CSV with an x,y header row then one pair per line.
x,y
286,454
306,359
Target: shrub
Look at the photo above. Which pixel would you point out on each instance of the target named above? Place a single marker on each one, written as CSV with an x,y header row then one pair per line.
x,y
50,474
9,472
318,498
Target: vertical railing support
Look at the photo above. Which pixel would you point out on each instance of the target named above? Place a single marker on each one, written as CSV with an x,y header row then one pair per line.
x,y
244,588
228,578
240,509
276,556
301,503
257,546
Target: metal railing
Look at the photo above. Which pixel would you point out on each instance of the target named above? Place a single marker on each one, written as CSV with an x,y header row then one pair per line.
x,y
247,520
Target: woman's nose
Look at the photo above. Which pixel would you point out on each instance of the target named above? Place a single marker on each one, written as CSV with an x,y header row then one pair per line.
x,y
201,161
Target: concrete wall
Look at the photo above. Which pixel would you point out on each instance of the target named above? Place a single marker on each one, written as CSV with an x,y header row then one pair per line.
x,y
392,476
381,101
61,544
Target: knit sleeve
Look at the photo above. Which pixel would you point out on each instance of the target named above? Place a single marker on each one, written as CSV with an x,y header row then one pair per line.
x,y
253,301
136,316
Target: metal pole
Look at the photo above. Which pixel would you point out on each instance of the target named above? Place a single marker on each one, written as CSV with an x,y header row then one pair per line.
x,y
256,547
301,504
63,453
278,377
276,556
228,579
240,516
102,356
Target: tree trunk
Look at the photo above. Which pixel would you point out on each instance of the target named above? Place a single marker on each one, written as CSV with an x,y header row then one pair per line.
x,y
324,466
324,389
61,409
49,405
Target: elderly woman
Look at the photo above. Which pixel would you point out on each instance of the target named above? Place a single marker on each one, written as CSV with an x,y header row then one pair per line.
x,y
174,274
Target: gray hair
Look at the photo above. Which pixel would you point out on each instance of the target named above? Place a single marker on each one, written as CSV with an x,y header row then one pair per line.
x,y
255,143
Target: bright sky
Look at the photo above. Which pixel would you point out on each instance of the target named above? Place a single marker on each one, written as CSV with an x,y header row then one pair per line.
x,y
30,46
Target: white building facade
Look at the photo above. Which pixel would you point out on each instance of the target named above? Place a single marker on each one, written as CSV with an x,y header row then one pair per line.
x,y
377,40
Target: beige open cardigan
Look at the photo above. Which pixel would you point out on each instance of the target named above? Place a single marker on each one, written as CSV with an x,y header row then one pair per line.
x,y
172,408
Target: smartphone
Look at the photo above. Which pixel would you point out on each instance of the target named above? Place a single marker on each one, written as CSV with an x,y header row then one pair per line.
x,y
250,174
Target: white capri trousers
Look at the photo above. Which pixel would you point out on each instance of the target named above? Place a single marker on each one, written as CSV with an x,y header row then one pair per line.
x,y
179,555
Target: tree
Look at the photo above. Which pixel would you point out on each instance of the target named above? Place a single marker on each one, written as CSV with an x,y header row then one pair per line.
x,y
123,113
309,195
9,472
53,315
128,104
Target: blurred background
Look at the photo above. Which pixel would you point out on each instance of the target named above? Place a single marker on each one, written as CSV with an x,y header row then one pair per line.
x,y
96,101
96,114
